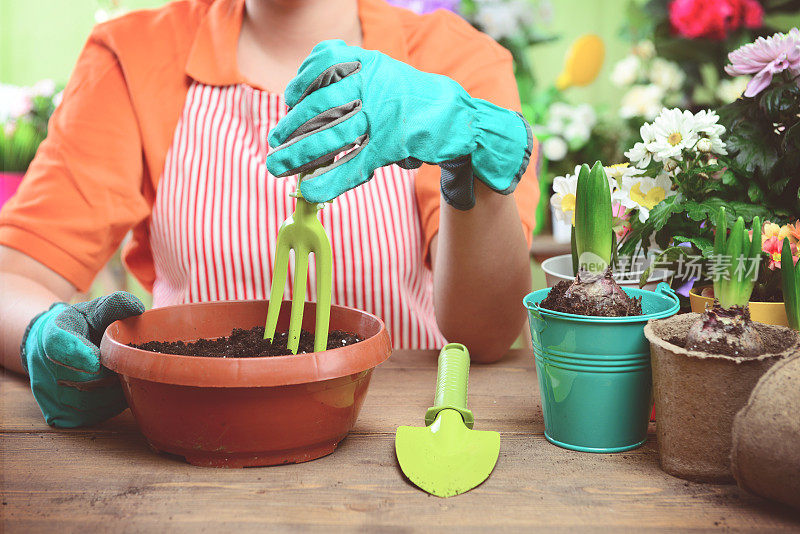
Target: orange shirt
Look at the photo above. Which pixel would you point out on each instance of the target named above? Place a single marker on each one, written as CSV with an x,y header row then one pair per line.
x,y
95,176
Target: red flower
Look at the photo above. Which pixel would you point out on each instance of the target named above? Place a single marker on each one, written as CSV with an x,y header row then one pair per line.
x,y
713,19
747,13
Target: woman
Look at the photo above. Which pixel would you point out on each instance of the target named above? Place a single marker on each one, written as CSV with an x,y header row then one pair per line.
x,y
163,129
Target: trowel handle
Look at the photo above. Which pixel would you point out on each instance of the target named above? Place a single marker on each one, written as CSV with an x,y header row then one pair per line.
x,y
451,384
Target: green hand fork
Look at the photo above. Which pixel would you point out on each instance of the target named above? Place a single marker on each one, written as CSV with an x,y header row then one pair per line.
x,y
304,233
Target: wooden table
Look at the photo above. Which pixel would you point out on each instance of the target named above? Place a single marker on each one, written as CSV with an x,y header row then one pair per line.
x,y
106,479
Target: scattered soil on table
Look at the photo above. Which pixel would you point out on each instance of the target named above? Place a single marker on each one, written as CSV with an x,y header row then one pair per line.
x,y
597,296
246,344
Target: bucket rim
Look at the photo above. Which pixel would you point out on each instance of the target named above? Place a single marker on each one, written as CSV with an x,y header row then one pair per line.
x,y
662,291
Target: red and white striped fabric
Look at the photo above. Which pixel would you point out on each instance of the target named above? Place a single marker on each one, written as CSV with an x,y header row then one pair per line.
x,y
217,211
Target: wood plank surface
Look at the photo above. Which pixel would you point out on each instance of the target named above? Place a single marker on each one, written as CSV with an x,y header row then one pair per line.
x,y
107,479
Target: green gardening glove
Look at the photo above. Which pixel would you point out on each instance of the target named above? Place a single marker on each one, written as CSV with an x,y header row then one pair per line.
x,y
61,352
384,112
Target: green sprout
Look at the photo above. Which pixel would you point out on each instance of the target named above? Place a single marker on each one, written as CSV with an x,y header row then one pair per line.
x,y
790,275
594,243
741,255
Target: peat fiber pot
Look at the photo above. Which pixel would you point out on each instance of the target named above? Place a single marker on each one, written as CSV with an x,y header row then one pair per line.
x,y
761,312
594,372
765,457
698,394
241,412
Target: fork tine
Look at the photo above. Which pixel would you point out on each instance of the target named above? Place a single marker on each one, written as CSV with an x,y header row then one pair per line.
x,y
298,296
276,291
323,257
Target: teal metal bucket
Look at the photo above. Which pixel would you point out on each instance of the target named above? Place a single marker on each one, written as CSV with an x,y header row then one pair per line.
x,y
594,372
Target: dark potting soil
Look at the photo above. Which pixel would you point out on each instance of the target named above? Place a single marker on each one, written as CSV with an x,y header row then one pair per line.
x,y
557,300
760,294
772,344
717,346
714,347
246,344
766,295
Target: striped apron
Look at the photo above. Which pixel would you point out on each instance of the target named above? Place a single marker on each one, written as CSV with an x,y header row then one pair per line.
x,y
217,212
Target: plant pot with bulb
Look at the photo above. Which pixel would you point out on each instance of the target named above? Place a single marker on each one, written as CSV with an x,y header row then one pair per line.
x,y
592,358
705,365
767,301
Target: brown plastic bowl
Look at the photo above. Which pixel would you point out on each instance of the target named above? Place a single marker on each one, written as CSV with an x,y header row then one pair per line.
x,y
241,412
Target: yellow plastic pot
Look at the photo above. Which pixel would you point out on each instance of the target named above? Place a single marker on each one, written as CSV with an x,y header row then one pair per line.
x,y
763,312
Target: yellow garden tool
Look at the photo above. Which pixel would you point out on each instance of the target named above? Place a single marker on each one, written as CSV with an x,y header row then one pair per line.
x,y
302,232
447,457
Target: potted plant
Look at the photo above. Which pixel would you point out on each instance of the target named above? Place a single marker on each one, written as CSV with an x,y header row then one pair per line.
x,y
745,158
630,266
242,411
592,359
23,116
705,365
766,304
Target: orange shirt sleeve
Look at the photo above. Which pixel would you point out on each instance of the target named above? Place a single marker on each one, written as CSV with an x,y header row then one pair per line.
x,y
486,71
83,191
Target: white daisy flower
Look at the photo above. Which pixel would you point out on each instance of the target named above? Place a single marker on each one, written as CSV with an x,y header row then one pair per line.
x,y
639,156
708,127
554,148
674,132
666,74
502,19
577,133
563,199
626,71
585,114
642,101
644,193
44,88
620,172
561,110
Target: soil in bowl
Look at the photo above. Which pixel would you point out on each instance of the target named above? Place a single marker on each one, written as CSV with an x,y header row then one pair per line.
x,y
592,294
246,344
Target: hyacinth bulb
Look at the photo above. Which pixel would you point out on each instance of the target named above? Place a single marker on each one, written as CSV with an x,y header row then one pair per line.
x,y
719,327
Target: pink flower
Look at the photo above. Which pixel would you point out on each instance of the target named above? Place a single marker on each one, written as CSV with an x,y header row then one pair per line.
x,y
773,247
621,216
766,57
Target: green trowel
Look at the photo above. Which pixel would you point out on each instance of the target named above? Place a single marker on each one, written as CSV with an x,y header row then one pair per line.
x,y
447,457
